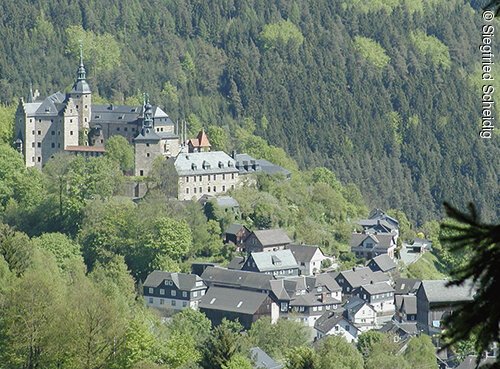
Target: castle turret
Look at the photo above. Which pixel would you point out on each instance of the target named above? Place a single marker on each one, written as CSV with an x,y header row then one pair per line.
x,y
82,97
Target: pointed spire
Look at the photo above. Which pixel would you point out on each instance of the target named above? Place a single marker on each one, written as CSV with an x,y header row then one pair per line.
x,y
30,95
148,113
81,69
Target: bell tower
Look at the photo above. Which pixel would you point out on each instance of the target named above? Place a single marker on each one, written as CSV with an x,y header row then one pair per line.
x,y
82,97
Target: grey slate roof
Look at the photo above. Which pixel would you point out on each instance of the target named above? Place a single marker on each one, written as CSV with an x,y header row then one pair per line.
x,y
236,263
328,320
436,291
384,262
362,276
312,299
274,260
258,165
373,223
271,237
236,278
199,163
147,135
234,300
406,285
226,202
303,253
376,288
354,304
278,288
111,113
393,326
182,281
234,228
261,360
381,241
380,214
409,303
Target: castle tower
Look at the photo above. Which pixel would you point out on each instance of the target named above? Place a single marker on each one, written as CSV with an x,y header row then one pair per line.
x,y
82,97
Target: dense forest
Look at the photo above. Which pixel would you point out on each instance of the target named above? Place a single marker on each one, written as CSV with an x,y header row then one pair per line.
x,y
383,93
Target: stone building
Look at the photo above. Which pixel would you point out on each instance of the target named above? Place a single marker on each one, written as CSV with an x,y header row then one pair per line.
x,y
205,173
70,122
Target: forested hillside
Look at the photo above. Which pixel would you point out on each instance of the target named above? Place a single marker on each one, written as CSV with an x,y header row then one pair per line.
x,y
384,93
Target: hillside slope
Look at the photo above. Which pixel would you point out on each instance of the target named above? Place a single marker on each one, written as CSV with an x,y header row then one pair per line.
x,y
381,92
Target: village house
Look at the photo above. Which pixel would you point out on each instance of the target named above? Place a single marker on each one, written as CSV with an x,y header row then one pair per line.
x,y
233,304
379,295
279,263
405,308
383,263
173,291
354,278
370,245
266,240
248,281
310,297
378,221
401,332
205,173
236,234
361,314
435,301
406,286
335,323
309,258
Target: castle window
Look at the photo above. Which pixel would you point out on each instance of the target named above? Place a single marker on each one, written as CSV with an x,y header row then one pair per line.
x,y
215,177
32,144
223,177
232,176
102,141
85,119
133,129
187,190
33,159
77,106
31,120
232,187
208,188
32,132
53,133
200,189
118,129
141,173
52,121
53,145
223,188
201,178
39,144
97,117
148,154
58,133
194,190
125,129
71,133
86,106
147,145
71,120
187,179
215,189
39,121
39,159
59,145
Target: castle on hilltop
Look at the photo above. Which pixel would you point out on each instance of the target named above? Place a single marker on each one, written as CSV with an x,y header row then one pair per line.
x,y
70,122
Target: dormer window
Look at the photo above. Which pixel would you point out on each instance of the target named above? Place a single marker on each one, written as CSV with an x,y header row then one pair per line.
x,y
97,117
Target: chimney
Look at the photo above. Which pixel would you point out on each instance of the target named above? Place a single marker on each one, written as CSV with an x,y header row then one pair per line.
x,y
353,269
233,154
371,282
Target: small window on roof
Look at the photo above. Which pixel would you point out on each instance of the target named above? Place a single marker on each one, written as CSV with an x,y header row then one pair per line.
x,y
213,300
239,304
97,117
